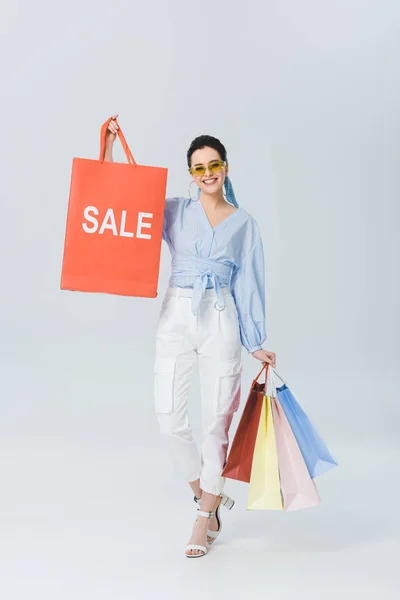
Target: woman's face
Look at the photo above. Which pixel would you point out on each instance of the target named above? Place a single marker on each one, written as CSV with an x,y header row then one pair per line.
x,y
209,183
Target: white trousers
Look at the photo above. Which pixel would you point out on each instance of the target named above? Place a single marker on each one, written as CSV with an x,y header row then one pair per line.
x,y
211,339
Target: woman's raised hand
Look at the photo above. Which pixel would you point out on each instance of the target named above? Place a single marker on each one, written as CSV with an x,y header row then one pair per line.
x,y
111,134
112,131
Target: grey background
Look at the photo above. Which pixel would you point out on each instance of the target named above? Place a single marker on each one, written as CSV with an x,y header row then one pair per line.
x,y
304,95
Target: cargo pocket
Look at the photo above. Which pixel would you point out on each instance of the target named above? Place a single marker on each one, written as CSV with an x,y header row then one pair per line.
x,y
228,386
164,375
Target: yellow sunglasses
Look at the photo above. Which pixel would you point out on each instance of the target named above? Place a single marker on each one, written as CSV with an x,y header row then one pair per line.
x,y
215,166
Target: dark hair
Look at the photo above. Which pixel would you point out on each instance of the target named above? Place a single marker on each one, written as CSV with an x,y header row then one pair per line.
x,y
206,140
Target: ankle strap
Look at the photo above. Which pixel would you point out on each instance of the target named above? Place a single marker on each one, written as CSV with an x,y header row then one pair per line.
x,y
201,513
225,500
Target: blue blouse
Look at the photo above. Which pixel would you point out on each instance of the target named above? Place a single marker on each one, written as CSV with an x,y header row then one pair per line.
x,y
230,254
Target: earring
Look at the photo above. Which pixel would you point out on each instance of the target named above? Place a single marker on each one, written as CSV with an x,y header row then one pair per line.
x,y
224,191
198,196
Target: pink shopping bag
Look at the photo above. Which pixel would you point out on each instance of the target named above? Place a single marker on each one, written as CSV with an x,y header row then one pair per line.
x,y
297,487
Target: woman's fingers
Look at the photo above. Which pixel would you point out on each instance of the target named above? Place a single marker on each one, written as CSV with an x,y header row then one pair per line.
x,y
113,125
270,358
112,128
266,356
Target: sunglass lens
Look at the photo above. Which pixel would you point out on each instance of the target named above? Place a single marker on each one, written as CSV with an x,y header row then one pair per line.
x,y
216,166
198,170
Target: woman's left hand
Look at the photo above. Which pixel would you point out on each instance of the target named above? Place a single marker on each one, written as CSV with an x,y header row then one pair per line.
x,y
265,356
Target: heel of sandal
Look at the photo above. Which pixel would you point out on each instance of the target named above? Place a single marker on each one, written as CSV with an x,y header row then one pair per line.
x,y
228,502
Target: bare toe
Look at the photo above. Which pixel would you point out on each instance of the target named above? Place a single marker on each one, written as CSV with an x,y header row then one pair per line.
x,y
199,537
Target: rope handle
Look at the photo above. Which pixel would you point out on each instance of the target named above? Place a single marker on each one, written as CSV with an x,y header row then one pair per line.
x,y
265,368
272,383
279,377
103,135
270,375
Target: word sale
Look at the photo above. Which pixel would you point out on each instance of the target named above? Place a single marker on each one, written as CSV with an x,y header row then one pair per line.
x,y
110,222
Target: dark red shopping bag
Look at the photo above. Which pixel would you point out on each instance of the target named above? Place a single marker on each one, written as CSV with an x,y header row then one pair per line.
x,y
240,457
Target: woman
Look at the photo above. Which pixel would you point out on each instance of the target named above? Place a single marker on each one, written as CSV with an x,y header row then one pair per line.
x,y
215,303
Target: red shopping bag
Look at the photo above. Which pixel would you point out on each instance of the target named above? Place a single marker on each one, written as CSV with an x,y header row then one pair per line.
x,y
114,225
238,465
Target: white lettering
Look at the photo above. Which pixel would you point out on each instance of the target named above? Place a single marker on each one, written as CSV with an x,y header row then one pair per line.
x,y
122,231
91,223
109,222
142,225
91,219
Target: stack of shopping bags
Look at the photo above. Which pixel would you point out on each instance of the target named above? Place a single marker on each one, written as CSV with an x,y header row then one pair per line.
x,y
276,449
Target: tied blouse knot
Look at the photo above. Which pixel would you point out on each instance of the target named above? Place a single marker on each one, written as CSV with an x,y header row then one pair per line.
x,y
205,271
227,255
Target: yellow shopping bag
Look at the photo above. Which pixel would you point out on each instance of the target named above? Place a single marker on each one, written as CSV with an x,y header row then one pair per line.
x,y
265,485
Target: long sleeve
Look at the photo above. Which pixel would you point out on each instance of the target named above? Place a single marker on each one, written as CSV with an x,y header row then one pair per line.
x,y
248,290
165,228
169,216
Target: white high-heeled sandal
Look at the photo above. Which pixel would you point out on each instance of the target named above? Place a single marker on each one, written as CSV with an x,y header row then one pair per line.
x,y
203,549
229,504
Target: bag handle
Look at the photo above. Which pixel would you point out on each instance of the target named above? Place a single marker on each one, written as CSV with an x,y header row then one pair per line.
x,y
279,377
265,368
270,389
103,134
270,379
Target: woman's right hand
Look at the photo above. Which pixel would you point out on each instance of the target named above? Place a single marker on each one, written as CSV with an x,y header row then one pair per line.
x,y
112,131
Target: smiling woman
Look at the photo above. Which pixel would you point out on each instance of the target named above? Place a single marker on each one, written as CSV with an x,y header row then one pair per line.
x,y
214,305
213,167
208,174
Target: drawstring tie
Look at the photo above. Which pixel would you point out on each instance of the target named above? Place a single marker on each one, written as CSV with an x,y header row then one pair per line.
x,y
199,289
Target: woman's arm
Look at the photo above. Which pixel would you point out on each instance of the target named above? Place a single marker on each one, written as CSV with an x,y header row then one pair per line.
x,y
111,135
108,155
249,294
248,290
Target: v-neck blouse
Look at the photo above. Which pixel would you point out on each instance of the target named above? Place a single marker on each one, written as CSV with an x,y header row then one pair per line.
x,y
227,255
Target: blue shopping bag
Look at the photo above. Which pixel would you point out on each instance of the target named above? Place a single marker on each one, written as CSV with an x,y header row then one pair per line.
x,y
314,450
